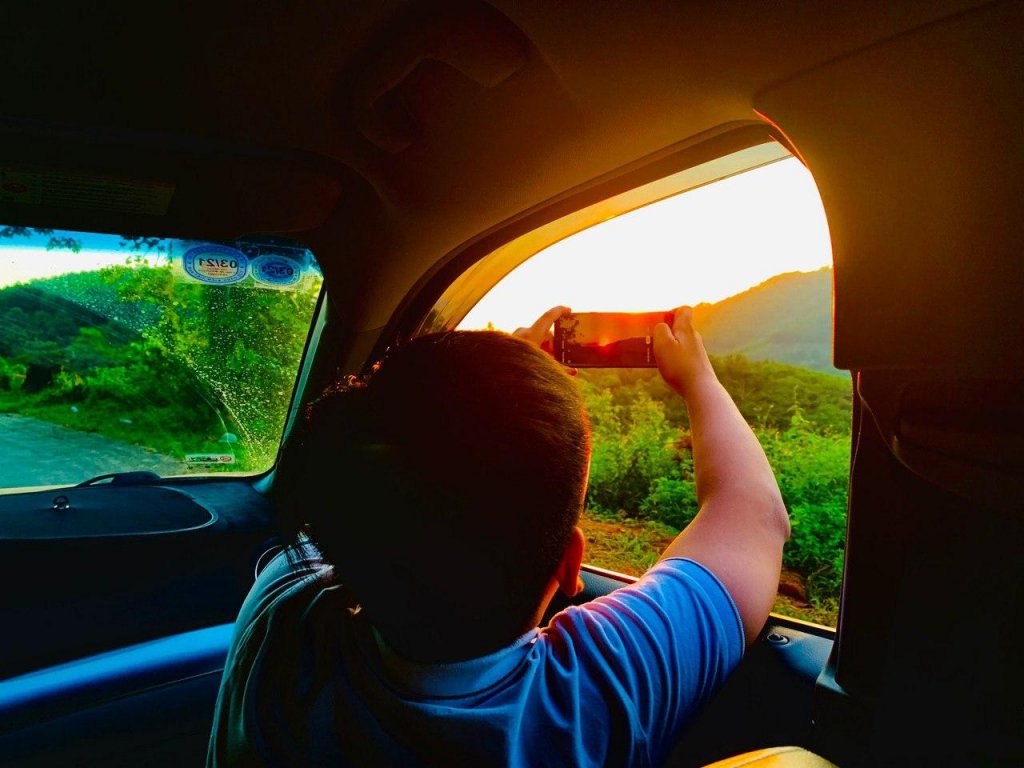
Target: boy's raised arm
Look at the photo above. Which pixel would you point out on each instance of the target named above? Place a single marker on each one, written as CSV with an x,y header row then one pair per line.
x,y
742,524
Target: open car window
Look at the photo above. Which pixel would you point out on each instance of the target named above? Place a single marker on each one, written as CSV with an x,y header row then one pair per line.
x,y
125,354
750,251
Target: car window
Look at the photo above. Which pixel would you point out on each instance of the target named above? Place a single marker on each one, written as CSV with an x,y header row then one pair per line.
x,y
123,354
751,253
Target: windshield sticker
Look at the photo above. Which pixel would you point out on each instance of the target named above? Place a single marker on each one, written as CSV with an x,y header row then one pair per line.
x,y
276,271
215,264
208,459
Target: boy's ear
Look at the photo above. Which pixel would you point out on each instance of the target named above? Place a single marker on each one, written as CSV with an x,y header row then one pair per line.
x,y
568,574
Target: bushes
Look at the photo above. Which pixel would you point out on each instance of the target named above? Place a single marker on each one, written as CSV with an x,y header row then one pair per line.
x,y
9,374
813,472
633,448
816,546
642,465
672,501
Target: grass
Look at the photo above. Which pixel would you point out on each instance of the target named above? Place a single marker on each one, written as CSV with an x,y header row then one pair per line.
x,y
826,614
624,545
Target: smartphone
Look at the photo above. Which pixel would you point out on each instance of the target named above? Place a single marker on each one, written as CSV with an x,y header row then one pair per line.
x,y
607,339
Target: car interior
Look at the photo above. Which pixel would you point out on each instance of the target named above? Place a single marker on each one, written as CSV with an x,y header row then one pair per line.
x,y
404,144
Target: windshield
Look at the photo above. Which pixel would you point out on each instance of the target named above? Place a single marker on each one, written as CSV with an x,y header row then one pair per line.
x,y
122,354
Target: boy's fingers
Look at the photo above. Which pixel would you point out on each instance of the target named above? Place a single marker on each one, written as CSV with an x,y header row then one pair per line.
x,y
663,339
540,332
663,334
545,321
683,320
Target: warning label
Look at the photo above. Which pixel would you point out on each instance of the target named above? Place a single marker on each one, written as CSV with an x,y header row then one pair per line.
x,y
208,459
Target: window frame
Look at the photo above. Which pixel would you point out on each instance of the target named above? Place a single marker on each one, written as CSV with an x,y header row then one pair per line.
x,y
698,155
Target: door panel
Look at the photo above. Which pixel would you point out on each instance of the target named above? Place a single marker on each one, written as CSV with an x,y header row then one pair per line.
x,y
769,700
73,597
159,725
929,668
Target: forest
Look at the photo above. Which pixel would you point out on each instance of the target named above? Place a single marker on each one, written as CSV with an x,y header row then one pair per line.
x,y
136,354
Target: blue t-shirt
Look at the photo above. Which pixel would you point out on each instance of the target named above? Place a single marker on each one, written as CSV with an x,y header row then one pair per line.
x,y
308,681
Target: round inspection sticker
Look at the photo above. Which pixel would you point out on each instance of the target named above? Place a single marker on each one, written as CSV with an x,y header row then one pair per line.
x,y
278,271
215,264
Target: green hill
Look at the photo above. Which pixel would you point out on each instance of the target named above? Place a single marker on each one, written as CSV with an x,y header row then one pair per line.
x,y
787,319
99,292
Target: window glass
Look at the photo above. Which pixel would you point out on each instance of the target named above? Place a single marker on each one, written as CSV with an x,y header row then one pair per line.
x,y
122,354
751,253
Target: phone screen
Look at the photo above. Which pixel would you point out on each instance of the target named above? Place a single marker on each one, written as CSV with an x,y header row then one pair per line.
x,y
607,339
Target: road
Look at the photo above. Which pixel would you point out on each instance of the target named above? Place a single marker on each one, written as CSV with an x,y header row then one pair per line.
x,y
34,452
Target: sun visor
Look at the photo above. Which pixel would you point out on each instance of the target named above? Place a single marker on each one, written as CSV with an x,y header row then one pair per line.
x,y
167,187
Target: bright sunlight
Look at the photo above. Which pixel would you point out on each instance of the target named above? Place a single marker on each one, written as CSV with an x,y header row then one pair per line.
x,y
702,245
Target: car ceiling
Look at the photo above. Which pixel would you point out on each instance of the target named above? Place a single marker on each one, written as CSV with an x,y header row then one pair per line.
x,y
391,135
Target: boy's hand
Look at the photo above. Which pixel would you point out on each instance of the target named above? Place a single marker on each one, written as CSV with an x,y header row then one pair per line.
x,y
680,354
540,332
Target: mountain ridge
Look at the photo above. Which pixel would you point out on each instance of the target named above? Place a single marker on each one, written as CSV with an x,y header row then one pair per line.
x,y
787,318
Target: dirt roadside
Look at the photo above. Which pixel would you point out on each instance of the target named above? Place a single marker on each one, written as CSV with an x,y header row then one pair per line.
x,y
633,546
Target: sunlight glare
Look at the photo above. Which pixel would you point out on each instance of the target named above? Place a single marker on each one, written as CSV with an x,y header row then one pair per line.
x,y
23,264
703,245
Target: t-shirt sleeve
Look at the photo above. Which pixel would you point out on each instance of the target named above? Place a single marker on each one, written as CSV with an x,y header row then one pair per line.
x,y
656,650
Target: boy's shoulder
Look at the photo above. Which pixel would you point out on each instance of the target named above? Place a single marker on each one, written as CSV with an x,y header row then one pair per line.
x,y
675,597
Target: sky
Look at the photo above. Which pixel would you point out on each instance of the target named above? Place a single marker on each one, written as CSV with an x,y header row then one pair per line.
x,y
26,258
703,245
19,264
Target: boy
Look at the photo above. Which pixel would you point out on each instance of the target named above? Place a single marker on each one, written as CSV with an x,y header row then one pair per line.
x,y
435,509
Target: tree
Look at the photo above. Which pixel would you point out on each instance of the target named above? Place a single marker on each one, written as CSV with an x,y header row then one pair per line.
x,y
54,241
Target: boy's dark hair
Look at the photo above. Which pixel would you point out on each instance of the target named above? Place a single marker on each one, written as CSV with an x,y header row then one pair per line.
x,y
445,490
